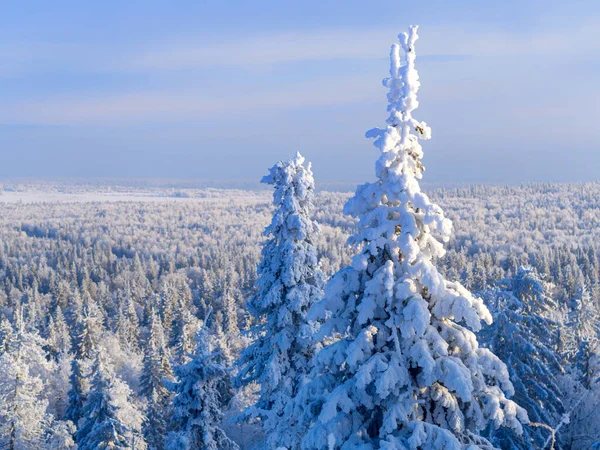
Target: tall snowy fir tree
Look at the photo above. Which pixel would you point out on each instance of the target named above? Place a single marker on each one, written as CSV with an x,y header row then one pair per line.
x,y
526,341
289,283
197,414
405,370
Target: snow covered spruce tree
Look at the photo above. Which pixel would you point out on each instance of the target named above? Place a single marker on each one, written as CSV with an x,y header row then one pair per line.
x,y
22,410
583,337
405,371
156,371
156,374
6,335
197,415
89,330
102,426
289,282
524,338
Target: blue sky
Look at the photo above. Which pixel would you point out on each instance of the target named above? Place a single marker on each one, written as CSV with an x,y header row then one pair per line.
x,y
222,89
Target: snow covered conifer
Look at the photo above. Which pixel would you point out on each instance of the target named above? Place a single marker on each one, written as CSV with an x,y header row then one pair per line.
x,y
89,330
184,327
127,325
197,412
583,334
156,373
290,281
6,335
77,392
227,317
526,340
155,421
405,370
59,339
22,409
221,341
134,324
60,436
230,316
86,342
101,427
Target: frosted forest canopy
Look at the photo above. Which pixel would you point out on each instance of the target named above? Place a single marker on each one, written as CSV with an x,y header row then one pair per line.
x,y
211,241
138,324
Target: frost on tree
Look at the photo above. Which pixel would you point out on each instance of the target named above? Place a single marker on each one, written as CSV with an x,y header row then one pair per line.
x,y
156,374
405,370
289,282
581,342
22,411
197,415
87,339
102,425
527,341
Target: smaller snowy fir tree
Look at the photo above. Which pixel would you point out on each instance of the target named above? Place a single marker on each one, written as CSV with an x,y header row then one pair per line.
x,y
102,426
60,436
23,415
128,326
289,282
78,390
183,329
155,421
6,335
89,328
527,341
156,375
403,368
156,370
582,338
59,339
197,414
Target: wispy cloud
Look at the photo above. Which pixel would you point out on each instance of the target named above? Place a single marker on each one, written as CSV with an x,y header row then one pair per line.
x,y
24,58
195,52
198,52
278,48
183,104
177,101
342,44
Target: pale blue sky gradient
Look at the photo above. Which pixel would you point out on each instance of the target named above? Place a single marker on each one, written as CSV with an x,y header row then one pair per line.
x,y
222,89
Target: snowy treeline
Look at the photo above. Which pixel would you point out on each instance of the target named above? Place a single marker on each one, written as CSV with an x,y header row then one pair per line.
x,y
52,253
240,320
